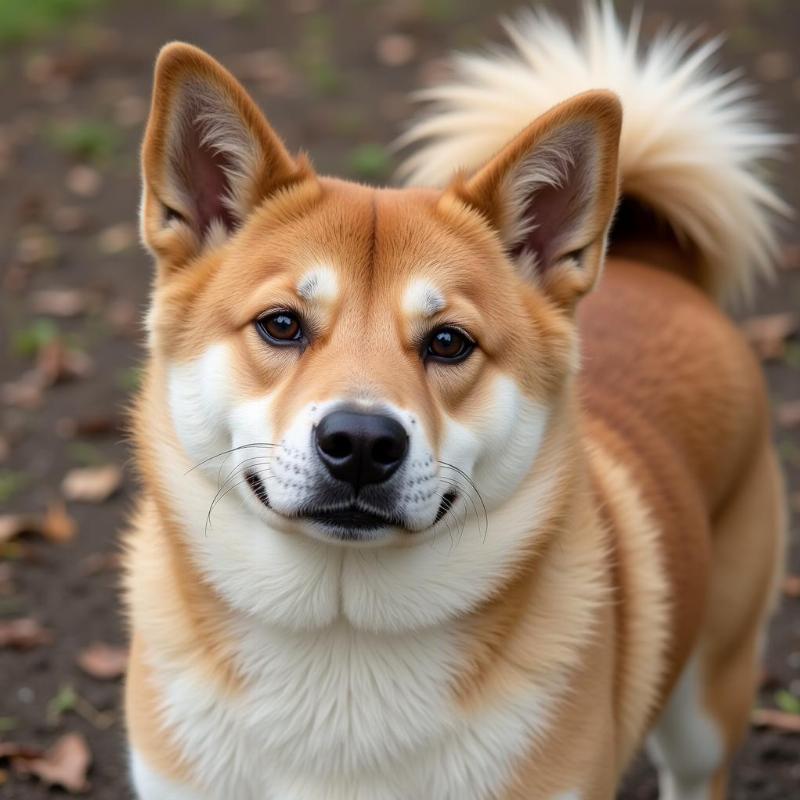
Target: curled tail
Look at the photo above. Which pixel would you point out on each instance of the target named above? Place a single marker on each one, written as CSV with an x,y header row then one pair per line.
x,y
691,145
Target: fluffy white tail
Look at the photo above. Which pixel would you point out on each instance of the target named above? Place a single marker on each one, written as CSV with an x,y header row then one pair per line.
x,y
691,144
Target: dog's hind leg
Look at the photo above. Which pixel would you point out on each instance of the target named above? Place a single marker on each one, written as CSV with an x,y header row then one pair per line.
x,y
708,713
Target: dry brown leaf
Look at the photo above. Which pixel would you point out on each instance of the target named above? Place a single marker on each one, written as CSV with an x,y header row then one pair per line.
x,y
768,334
788,414
84,181
92,484
96,563
14,750
62,302
23,633
13,525
103,661
124,317
65,764
56,362
57,524
773,718
25,392
117,238
774,65
395,49
791,586
791,257
269,68
70,219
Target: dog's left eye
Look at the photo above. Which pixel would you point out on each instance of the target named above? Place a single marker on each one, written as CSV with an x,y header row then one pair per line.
x,y
281,328
448,344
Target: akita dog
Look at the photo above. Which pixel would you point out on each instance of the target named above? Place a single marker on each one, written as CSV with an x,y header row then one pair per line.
x,y
418,522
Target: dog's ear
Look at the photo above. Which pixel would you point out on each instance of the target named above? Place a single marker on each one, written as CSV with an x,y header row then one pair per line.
x,y
551,192
209,157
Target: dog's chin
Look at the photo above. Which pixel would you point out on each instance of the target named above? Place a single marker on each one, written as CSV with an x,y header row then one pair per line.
x,y
351,524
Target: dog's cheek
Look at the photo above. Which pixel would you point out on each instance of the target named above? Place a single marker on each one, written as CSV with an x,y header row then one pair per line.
x,y
199,403
498,443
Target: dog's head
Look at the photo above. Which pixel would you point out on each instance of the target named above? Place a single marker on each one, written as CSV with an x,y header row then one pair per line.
x,y
371,362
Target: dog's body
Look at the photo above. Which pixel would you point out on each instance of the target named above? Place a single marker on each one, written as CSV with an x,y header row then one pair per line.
x,y
619,579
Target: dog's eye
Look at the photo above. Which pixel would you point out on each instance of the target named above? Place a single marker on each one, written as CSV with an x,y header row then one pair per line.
x,y
280,327
448,344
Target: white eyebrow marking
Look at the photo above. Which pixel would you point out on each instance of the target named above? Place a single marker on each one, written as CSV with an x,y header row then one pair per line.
x,y
318,285
422,299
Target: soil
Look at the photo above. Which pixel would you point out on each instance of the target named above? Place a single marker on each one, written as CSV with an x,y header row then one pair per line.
x,y
76,97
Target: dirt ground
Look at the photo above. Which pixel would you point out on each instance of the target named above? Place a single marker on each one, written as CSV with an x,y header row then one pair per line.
x,y
333,77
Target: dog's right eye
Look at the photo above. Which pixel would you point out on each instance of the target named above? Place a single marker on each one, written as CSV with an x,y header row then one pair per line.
x,y
280,328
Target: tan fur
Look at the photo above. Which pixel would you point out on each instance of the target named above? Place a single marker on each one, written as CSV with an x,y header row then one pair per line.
x,y
660,535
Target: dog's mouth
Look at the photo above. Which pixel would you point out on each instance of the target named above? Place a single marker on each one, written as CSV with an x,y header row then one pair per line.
x,y
351,517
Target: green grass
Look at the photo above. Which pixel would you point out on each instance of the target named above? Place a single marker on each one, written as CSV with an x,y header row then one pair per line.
x,y
22,20
370,162
129,379
787,702
29,340
12,482
85,454
314,57
85,140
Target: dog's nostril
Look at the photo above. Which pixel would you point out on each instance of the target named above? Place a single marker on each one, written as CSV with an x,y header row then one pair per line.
x,y
338,445
387,450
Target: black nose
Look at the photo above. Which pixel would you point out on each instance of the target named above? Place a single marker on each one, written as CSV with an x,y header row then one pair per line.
x,y
361,448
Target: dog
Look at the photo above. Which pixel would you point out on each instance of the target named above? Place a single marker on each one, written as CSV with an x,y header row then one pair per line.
x,y
423,516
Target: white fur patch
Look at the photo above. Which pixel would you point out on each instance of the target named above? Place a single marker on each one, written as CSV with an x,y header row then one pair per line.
x,y
422,299
149,785
319,285
685,743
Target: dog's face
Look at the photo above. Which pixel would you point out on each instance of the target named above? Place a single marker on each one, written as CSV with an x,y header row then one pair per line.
x,y
364,365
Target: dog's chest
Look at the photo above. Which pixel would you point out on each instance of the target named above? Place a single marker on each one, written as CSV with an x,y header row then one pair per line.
x,y
341,714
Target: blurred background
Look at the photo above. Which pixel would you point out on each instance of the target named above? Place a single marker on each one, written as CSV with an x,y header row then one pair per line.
x,y
333,78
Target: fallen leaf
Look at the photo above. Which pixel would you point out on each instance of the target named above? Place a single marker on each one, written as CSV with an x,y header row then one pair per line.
x,y
791,257
13,525
25,392
780,720
36,246
23,633
791,586
267,67
65,764
788,414
768,334
56,362
103,661
70,219
14,750
84,181
57,524
130,110
124,317
62,302
117,238
91,425
92,484
96,563
774,65
395,49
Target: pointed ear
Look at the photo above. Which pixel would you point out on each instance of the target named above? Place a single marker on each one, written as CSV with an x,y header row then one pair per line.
x,y
209,156
551,193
